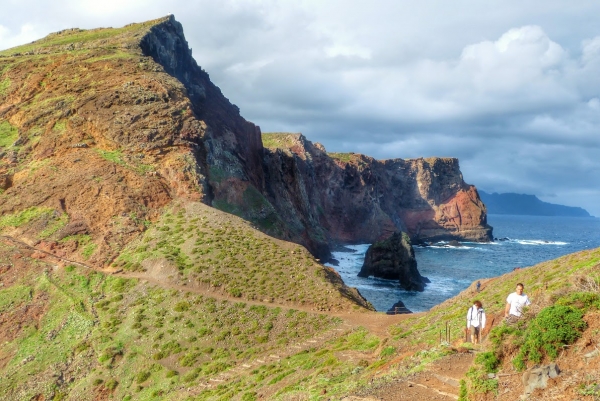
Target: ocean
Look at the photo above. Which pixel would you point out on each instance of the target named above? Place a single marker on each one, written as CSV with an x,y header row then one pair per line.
x,y
528,240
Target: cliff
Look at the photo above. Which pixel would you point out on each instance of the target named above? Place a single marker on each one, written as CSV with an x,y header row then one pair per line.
x,y
101,129
352,198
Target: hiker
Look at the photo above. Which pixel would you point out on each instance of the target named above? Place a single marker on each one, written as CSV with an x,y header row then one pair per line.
x,y
515,303
478,285
475,321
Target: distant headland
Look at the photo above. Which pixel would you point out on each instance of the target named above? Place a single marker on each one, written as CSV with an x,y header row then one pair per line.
x,y
521,204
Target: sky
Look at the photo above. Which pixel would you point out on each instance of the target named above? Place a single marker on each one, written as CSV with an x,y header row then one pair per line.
x,y
511,88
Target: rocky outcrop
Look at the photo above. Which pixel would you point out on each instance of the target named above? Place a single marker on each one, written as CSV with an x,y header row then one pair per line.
x,y
394,259
398,309
352,198
537,378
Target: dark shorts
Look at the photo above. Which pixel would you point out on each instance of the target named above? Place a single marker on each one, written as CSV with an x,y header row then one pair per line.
x,y
512,319
475,331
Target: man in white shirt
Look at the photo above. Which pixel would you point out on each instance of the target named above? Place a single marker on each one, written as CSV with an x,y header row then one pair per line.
x,y
515,303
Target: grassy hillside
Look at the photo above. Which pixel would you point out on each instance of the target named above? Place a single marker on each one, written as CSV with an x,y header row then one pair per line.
x,y
204,307
200,295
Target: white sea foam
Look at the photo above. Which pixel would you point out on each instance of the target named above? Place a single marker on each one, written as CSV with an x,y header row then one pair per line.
x,y
537,242
446,246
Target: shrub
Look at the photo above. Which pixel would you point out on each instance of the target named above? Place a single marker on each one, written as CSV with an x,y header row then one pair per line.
x,y
181,306
193,375
387,351
552,328
489,361
111,384
462,392
249,396
480,383
581,300
142,376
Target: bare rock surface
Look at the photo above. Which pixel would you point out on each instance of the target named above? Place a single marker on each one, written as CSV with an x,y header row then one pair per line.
x,y
394,259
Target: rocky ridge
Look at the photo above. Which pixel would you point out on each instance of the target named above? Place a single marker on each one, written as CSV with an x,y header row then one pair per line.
x,y
129,119
353,198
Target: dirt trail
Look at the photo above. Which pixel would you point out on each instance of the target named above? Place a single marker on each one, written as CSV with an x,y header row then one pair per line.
x,y
376,322
441,381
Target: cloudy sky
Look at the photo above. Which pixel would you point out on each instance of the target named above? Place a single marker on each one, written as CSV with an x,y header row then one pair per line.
x,y
511,88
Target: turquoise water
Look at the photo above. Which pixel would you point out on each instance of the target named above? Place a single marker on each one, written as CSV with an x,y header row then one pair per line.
x,y
531,239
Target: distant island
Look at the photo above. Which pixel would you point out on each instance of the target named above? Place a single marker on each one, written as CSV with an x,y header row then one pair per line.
x,y
511,203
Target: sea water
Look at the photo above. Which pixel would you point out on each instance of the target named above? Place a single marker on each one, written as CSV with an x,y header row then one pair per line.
x,y
528,240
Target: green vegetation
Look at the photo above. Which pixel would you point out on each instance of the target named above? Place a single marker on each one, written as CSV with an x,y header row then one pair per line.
x,y
118,157
489,361
110,327
88,250
463,392
60,126
8,134
54,225
14,296
479,382
477,379
141,341
232,259
23,217
545,278
281,140
343,157
545,335
4,85
115,156
592,389
77,36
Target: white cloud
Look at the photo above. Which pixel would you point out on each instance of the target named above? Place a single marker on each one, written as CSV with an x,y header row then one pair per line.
x,y
9,38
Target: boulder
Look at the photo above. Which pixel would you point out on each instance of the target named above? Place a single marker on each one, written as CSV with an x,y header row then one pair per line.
x,y
398,309
538,377
394,259
5,181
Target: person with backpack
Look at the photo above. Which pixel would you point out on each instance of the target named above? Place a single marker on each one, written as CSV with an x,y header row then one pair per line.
x,y
475,321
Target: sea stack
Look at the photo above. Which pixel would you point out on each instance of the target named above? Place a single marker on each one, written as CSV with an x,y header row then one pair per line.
x,y
394,259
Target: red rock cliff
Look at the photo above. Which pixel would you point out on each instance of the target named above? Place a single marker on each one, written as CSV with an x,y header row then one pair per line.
x,y
352,198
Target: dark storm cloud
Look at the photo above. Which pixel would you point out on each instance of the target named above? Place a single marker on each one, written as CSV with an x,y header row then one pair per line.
x,y
510,88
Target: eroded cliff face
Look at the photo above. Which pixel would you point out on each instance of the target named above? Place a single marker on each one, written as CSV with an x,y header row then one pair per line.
x,y
102,129
352,198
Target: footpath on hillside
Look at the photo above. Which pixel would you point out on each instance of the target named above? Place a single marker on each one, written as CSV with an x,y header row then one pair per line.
x,y
439,382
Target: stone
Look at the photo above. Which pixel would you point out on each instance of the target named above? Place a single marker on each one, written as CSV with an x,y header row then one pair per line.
x,y
5,181
537,378
398,309
394,259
